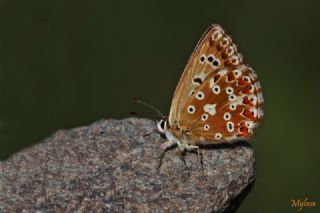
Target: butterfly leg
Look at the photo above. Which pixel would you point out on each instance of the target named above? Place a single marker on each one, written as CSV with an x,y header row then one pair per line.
x,y
181,153
163,148
192,147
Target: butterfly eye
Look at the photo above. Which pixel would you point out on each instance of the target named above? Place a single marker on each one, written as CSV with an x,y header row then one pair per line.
x,y
191,109
204,117
227,116
218,136
200,95
216,89
202,59
161,126
230,126
206,127
229,90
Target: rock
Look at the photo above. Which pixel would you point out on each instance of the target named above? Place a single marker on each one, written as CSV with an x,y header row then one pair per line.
x,y
110,166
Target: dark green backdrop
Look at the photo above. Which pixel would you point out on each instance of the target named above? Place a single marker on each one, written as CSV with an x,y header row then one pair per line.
x,y
68,63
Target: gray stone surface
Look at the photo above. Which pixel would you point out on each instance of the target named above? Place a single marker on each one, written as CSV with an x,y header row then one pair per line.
x,y
109,166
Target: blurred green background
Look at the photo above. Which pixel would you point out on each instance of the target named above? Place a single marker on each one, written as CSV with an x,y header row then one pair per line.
x,y
68,63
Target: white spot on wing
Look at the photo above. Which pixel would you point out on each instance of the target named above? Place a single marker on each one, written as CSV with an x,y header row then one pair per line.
x,y
225,42
210,108
200,95
218,136
223,72
216,35
216,89
201,75
232,107
206,127
249,124
230,126
191,109
238,100
229,90
204,117
235,60
237,73
232,97
254,111
253,99
227,116
230,50
246,79
202,59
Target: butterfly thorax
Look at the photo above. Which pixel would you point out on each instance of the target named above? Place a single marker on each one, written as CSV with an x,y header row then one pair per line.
x,y
174,133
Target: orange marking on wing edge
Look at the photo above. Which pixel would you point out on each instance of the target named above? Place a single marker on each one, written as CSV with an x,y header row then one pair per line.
x,y
243,129
216,77
247,89
231,76
241,82
246,101
249,114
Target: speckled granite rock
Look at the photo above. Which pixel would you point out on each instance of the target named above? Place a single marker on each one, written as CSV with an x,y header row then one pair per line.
x,y
110,167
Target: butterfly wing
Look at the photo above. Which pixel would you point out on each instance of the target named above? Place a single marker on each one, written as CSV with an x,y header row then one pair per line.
x,y
186,83
218,97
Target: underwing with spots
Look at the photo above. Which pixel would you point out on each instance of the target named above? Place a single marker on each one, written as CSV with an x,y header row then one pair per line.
x,y
218,98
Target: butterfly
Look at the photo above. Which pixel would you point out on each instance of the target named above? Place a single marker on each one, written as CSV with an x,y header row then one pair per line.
x,y
218,98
